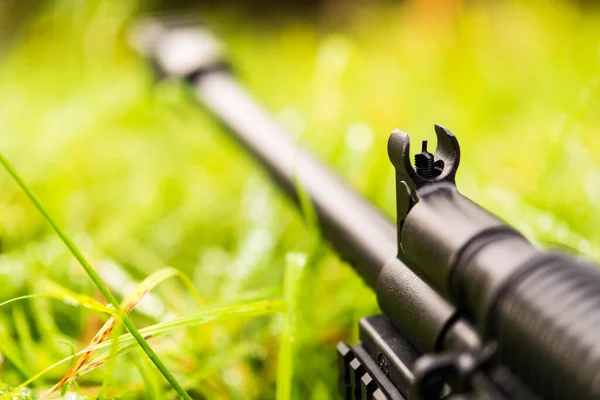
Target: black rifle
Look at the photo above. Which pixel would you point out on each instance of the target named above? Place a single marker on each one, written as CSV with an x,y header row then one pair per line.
x,y
470,308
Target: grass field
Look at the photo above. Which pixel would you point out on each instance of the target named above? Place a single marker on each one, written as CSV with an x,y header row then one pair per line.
x,y
146,185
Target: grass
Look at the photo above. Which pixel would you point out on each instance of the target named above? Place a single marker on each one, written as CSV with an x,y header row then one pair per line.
x,y
121,314
295,265
143,180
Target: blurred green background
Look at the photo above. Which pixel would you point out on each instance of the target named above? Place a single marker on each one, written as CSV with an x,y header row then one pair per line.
x,y
142,178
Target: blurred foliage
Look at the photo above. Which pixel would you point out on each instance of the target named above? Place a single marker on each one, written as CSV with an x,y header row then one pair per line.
x,y
143,179
13,14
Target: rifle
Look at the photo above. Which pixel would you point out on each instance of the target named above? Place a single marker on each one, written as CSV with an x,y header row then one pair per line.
x,y
470,308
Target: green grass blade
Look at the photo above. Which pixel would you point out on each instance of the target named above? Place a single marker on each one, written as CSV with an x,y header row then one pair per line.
x,y
148,376
23,330
95,278
11,352
316,251
309,213
71,347
295,264
28,296
72,298
168,272
67,299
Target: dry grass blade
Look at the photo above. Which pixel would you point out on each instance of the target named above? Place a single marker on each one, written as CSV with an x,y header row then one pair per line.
x,y
107,329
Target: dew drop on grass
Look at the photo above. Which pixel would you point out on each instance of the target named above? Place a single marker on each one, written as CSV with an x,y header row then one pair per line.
x,y
23,394
71,301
